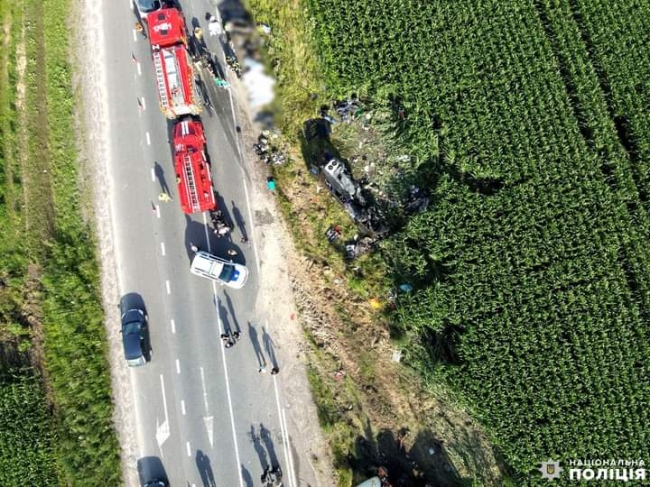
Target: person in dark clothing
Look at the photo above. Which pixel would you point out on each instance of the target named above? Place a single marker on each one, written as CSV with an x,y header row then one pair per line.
x,y
265,474
276,473
226,340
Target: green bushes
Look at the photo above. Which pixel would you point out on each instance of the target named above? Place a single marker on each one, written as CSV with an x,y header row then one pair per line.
x,y
531,267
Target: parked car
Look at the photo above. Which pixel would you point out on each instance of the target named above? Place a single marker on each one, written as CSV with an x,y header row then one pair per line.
x,y
145,7
134,337
156,483
217,269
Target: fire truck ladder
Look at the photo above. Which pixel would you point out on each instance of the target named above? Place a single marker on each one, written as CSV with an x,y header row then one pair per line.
x,y
160,76
189,178
174,79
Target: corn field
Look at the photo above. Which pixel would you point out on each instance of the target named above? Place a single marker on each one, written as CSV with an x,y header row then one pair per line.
x,y
530,122
27,432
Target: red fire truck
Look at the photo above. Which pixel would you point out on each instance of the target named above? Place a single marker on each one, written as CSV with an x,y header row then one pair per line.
x,y
172,63
192,168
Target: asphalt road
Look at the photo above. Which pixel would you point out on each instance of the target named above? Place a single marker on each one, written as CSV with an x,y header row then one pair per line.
x,y
205,415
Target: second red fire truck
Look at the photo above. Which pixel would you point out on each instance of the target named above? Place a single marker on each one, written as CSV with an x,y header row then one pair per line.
x,y
192,168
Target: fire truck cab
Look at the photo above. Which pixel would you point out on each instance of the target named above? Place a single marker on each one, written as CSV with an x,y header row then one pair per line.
x,y
192,168
171,59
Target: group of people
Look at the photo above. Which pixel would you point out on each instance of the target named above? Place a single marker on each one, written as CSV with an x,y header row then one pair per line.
x,y
229,339
221,227
272,476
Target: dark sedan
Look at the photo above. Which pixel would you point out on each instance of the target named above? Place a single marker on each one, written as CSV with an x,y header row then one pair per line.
x,y
134,337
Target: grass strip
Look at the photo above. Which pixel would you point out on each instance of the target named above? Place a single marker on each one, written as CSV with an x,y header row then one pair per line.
x,y
75,351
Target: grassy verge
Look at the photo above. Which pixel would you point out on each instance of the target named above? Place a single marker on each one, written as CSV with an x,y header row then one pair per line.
x,y
300,89
50,279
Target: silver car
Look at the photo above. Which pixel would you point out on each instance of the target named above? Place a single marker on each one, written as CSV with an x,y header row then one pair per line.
x,y
145,7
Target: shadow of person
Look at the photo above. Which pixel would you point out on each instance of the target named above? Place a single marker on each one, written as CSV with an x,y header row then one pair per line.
x,y
239,220
259,449
265,436
231,309
246,476
269,346
252,334
223,314
205,469
160,175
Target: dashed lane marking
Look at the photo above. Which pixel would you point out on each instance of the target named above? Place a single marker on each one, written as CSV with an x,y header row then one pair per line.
x,y
178,366
169,289
173,327
147,135
162,248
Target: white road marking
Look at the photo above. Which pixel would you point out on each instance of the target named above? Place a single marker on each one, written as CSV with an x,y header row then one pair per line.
x,y
153,175
169,289
228,395
162,430
162,386
205,229
178,366
162,248
173,327
135,36
285,436
205,393
250,221
292,469
234,123
144,105
209,426
148,138
189,450
139,69
158,211
248,201
183,407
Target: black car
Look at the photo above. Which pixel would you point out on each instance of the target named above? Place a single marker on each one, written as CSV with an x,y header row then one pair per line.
x,y
134,337
156,483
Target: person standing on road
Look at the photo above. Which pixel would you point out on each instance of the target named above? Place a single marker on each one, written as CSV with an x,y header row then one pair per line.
x,y
213,25
139,28
226,340
164,197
